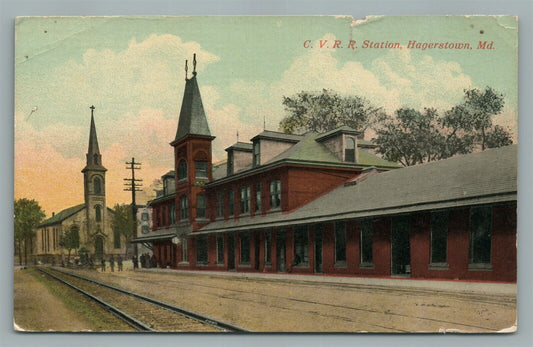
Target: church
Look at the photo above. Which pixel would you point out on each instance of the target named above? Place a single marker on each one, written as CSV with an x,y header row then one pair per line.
x,y
326,204
91,221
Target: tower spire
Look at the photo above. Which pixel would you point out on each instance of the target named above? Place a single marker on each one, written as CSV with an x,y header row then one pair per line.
x,y
192,118
94,158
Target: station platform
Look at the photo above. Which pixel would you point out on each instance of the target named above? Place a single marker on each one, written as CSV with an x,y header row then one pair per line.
x,y
477,287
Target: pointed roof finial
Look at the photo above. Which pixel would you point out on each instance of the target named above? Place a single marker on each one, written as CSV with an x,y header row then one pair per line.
x,y
186,69
194,64
237,135
92,110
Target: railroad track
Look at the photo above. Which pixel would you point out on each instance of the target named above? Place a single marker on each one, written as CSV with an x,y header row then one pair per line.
x,y
141,312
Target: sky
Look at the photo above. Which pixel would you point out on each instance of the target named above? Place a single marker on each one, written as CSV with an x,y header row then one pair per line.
x,y
132,70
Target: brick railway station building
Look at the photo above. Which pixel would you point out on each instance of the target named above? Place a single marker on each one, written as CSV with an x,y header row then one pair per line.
x,y
324,203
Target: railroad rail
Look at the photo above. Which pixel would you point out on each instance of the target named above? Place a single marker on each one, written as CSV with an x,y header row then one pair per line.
x,y
140,312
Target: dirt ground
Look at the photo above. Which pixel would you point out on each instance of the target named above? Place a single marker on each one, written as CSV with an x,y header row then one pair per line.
x,y
35,309
270,305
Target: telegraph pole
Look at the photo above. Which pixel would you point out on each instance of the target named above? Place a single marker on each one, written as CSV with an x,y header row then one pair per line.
x,y
133,184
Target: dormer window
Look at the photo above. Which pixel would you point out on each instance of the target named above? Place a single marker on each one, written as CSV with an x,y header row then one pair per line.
x,y
230,163
349,150
257,157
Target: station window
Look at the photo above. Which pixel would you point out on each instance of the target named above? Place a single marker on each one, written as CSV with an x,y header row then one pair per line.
x,y
182,170
275,194
184,251
366,241
201,250
184,208
172,213
245,247
439,236
220,249
245,199
144,216
231,203
268,246
480,235
301,246
200,206
201,169
220,204
258,197
145,229
340,243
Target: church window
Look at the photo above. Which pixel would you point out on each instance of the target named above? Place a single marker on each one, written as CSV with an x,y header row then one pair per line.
x,y
95,158
116,239
97,185
182,170
98,213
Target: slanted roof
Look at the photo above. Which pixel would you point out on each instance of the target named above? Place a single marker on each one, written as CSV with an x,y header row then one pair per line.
x,y
220,170
192,119
241,146
61,216
277,136
171,173
342,130
309,150
479,178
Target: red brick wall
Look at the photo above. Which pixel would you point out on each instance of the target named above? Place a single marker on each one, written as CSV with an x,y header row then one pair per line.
x,y
307,184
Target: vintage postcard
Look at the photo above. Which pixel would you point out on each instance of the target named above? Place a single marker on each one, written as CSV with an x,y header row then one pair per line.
x,y
266,174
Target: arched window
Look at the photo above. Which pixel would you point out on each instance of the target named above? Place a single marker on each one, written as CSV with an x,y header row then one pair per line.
x,y
349,151
74,236
182,170
97,185
98,213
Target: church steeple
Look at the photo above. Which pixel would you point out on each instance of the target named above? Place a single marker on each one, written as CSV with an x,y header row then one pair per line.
x,y
192,119
94,158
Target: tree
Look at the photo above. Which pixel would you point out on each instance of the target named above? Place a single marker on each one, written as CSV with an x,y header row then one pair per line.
x,y
321,112
124,223
70,239
414,137
28,214
474,117
411,138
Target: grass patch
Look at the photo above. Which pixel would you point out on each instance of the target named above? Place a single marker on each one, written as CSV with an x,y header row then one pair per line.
x,y
100,319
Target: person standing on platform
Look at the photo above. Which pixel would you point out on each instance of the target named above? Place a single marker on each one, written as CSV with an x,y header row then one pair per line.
x,y
103,264
112,264
119,262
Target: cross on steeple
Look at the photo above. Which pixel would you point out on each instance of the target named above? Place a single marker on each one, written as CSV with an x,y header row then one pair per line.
x,y
92,110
